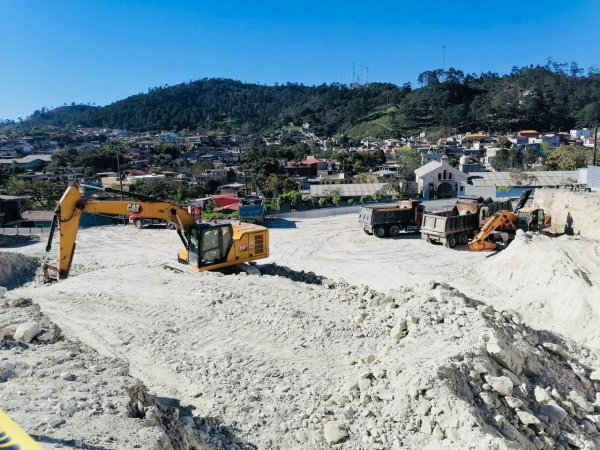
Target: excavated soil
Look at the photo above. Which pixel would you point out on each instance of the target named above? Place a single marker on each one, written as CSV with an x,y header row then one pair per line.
x,y
17,269
308,356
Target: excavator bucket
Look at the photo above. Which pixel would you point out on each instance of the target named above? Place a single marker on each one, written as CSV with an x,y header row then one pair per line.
x,y
523,199
479,246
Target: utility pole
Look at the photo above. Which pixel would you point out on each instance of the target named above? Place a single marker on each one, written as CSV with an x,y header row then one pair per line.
x,y
444,58
119,172
595,142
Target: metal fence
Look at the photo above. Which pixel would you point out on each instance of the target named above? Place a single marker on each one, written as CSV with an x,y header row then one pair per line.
x,y
10,231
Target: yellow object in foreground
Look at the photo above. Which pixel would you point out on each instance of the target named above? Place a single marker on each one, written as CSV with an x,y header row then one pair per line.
x,y
12,437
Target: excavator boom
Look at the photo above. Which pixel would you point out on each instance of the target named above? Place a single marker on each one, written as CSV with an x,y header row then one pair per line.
x,y
72,205
206,246
502,220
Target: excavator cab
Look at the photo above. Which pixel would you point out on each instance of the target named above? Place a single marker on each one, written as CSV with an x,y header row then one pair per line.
x,y
532,219
209,244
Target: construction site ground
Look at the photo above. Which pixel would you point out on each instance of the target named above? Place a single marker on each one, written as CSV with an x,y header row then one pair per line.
x,y
268,356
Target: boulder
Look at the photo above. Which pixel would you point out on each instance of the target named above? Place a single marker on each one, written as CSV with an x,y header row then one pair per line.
x,y
334,432
528,418
506,354
398,330
553,412
541,395
581,401
27,331
502,385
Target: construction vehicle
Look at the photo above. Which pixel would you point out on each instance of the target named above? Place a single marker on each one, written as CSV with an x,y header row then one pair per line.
x,y
502,228
12,437
206,246
462,222
390,220
252,209
140,222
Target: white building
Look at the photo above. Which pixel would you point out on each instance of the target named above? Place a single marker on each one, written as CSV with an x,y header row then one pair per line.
x,y
428,157
170,138
580,134
552,140
490,158
438,179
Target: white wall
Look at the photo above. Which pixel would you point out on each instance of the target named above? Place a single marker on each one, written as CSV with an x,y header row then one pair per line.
x,y
580,133
480,191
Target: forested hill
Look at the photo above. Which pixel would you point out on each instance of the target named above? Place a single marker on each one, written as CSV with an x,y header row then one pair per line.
x,y
550,97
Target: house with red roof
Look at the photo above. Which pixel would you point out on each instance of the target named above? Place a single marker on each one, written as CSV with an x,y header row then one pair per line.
x,y
306,168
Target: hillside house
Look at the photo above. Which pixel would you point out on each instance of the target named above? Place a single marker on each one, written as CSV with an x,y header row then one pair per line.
x,y
438,180
307,168
580,134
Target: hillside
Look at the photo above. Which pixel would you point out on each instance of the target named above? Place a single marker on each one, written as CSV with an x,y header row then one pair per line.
x,y
550,97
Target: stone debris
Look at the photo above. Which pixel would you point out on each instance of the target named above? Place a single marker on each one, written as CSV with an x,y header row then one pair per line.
x,y
334,432
27,331
292,360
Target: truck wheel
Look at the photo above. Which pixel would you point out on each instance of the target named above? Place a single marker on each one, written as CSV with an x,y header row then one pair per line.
x,y
170,225
139,224
451,241
463,239
394,230
380,232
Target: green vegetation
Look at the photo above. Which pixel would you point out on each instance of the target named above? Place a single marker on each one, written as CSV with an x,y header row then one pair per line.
x,y
550,97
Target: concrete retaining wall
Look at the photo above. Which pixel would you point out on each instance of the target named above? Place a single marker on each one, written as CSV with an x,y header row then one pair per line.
x,y
323,212
583,206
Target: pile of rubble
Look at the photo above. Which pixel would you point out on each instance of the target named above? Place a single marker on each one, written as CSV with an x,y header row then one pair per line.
x,y
16,269
557,281
454,372
66,395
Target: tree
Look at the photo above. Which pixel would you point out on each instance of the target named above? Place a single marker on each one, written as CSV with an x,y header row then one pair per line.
x,y
396,187
209,206
568,157
377,196
201,167
530,157
273,185
350,201
363,199
520,178
408,161
4,176
503,142
160,188
38,195
502,159
322,202
336,200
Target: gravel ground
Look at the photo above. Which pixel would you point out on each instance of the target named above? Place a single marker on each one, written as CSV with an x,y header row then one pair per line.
x,y
273,362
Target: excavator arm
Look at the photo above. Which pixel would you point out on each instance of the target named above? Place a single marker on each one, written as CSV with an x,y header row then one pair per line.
x,y
502,220
72,205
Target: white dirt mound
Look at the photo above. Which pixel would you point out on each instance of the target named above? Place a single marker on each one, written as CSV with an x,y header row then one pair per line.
x,y
16,269
554,283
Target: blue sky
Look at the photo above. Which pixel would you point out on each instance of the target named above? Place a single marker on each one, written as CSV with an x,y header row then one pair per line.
x,y
100,51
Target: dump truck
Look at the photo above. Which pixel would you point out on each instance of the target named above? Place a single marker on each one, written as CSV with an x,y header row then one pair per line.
x,y
252,209
390,220
458,225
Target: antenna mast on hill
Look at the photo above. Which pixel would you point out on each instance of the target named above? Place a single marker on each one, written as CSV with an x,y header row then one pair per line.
x,y
353,76
444,58
367,76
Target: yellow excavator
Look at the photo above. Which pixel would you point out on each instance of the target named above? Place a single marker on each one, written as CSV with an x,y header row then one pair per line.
x,y
497,233
207,246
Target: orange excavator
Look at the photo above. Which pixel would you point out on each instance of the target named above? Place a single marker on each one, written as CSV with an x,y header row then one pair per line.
x,y
501,229
207,246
